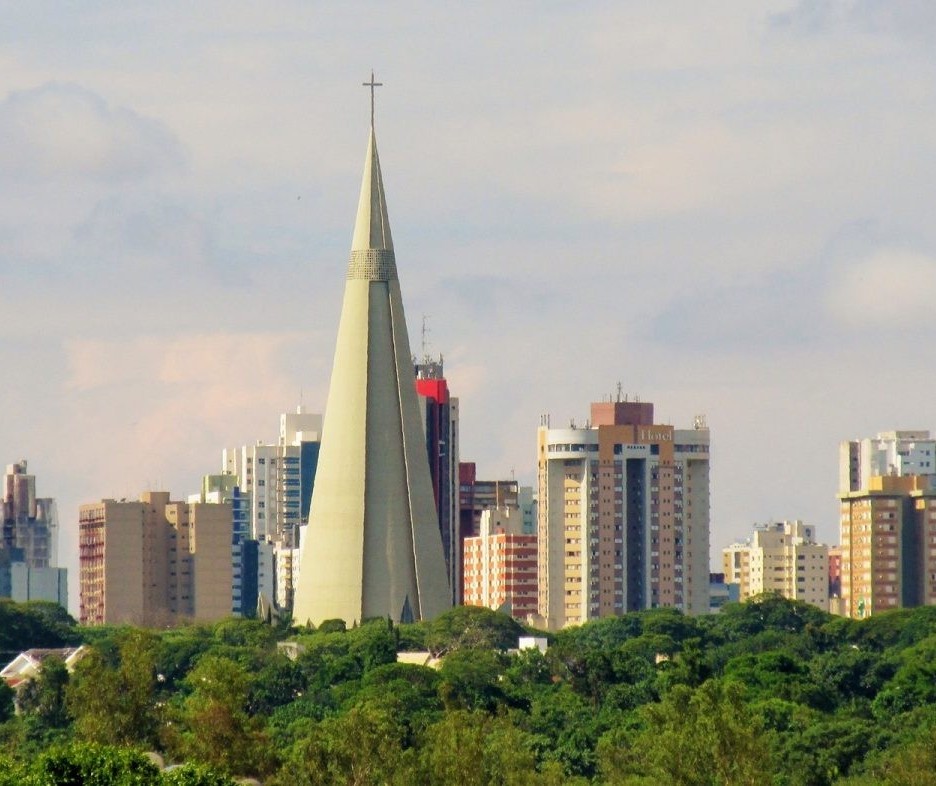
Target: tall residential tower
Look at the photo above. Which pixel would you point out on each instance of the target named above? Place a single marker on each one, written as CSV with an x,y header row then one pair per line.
x,y
623,515
155,562
440,418
28,541
887,495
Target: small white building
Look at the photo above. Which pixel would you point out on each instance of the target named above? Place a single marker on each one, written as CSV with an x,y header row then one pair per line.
x,y
26,665
533,643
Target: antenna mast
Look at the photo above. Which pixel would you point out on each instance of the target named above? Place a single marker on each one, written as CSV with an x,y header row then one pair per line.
x,y
425,338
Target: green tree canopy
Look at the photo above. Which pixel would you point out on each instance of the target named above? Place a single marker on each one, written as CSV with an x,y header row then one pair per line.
x,y
695,737
213,725
88,764
37,624
472,627
117,705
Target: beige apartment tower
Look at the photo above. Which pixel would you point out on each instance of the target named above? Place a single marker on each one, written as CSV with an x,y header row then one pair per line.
x,y
372,546
781,557
888,533
154,562
623,516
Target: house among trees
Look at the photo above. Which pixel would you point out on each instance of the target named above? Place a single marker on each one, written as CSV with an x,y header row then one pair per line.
x,y
26,665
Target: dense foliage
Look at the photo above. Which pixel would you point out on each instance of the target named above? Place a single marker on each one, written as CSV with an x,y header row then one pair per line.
x,y
766,692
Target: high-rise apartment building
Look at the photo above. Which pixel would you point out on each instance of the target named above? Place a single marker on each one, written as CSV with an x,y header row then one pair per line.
x,y
736,566
888,534
154,562
477,496
278,477
886,494
277,480
29,541
440,421
623,515
372,548
30,524
302,429
835,578
889,453
28,584
266,572
781,557
721,591
224,489
500,564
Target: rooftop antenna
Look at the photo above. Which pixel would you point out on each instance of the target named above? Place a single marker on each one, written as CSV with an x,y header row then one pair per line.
x,y
619,386
372,84
425,338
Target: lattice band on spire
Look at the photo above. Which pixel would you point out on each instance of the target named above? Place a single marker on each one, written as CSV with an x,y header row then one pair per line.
x,y
372,265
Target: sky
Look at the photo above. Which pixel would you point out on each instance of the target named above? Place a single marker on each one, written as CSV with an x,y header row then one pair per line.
x,y
726,207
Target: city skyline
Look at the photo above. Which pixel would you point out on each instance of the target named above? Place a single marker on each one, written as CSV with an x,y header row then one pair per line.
x,y
726,212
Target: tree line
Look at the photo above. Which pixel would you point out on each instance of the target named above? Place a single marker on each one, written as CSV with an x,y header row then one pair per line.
x,y
770,691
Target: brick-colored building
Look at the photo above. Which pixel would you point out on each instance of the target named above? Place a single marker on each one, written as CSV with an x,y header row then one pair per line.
x,y
888,533
500,564
476,496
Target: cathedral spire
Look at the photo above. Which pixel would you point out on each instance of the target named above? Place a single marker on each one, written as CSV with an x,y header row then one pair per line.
x,y
372,546
372,226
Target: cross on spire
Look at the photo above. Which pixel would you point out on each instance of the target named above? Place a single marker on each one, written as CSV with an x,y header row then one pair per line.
x,y
372,84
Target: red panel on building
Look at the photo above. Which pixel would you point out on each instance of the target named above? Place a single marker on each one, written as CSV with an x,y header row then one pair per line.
x,y
436,389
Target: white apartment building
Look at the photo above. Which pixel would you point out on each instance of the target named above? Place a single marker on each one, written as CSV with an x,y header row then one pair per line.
x,y
277,480
266,570
890,453
271,475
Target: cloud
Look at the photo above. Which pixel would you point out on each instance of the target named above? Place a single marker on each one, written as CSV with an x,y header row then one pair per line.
x,y
142,232
201,360
910,19
849,294
892,289
162,407
64,131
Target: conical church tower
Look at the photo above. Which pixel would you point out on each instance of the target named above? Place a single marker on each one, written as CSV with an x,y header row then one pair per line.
x,y
372,547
